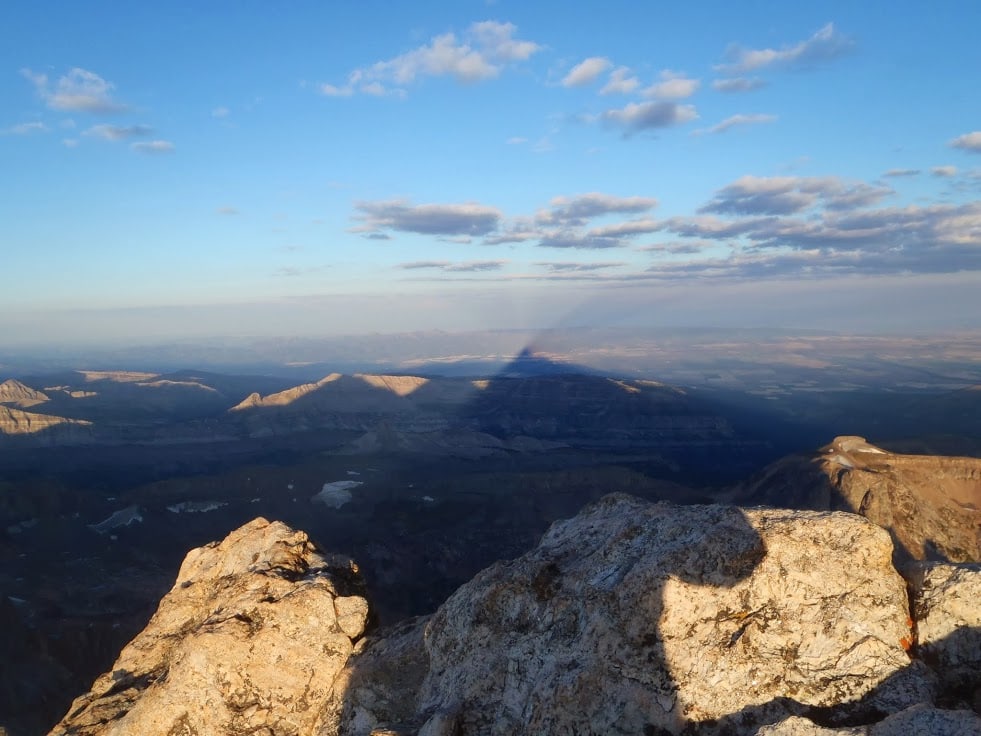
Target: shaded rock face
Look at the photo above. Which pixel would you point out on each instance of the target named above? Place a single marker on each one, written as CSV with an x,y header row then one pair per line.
x,y
249,640
947,609
931,504
637,618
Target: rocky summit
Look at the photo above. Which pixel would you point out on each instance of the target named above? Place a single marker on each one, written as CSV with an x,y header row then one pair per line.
x,y
630,618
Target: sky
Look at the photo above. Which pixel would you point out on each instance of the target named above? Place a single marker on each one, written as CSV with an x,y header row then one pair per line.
x,y
307,168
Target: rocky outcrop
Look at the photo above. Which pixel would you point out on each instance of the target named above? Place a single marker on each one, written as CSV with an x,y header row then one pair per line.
x,y
14,392
947,609
629,618
249,640
919,720
931,504
639,618
16,424
283,398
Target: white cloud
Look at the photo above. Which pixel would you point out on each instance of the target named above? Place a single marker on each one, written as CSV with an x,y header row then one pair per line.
x,y
968,142
781,195
575,267
740,120
496,40
334,91
620,82
117,132
220,112
486,48
944,171
673,86
78,90
25,129
516,141
901,172
157,146
586,71
69,142
450,267
638,116
580,208
469,218
620,229
227,210
825,45
737,84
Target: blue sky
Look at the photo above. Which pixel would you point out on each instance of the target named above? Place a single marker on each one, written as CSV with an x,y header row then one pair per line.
x,y
243,168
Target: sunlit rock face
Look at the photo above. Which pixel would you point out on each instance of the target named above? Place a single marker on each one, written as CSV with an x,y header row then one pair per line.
x,y
931,504
638,618
249,640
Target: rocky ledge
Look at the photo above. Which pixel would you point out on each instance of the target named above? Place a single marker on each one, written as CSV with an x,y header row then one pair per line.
x,y
631,618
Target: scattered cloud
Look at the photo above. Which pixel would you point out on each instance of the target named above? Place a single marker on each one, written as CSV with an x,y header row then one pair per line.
x,y
516,141
484,51
622,229
639,116
153,147
573,267
78,90
469,218
450,267
220,112
968,142
227,210
580,208
572,239
944,172
379,236
825,45
931,239
678,247
620,82
781,195
25,129
738,84
740,120
894,173
586,71
673,86
117,132
69,142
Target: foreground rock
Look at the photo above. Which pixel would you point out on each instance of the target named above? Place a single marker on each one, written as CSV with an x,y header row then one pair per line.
x,y
631,618
249,640
947,609
920,720
931,504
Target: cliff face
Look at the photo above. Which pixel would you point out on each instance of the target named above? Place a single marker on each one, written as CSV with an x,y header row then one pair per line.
x,y
931,504
630,618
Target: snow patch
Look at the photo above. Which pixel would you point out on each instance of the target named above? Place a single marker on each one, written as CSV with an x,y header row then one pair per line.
x,y
123,517
195,507
336,494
